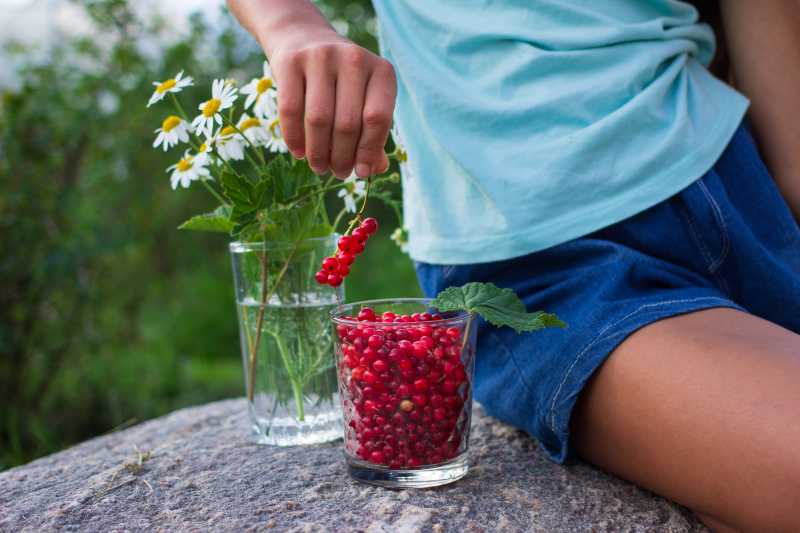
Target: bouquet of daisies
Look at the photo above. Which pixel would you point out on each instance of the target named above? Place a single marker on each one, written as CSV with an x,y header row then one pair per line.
x,y
234,148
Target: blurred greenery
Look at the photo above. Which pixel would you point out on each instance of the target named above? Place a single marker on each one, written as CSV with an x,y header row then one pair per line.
x,y
108,314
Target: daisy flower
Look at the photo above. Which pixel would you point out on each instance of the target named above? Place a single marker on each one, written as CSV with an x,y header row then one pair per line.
x,y
223,95
254,130
353,189
262,93
172,85
203,155
276,141
172,131
400,238
229,144
186,171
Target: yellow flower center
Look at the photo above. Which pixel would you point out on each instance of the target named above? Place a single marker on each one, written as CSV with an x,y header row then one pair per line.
x,y
184,164
264,84
170,123
275,128
166,85
227,130
202,148
249,123
211,107
402,155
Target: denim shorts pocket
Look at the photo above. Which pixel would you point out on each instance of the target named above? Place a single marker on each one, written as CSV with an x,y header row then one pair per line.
x,y
700,205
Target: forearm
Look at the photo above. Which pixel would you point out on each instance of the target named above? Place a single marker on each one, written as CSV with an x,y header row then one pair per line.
x,y
272,22
763,40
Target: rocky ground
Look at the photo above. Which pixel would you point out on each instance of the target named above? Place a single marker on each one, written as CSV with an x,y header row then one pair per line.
x,y
196,470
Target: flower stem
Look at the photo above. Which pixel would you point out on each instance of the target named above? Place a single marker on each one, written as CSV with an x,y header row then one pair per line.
x,y
213,192
251,375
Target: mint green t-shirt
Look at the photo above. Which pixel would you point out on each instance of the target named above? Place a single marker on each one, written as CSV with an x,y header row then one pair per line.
x,y
532,122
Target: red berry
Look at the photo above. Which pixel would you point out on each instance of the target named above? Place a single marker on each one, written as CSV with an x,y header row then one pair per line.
x,y
346,243
420,349
358,373
377,457
369,376
331,264
388,316
344,270
419,399
345,258
421,384
379,365
375,341
334,280
321,277
370,225
366,315
360,235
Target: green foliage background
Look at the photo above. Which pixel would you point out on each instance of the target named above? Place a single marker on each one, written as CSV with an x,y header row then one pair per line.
x,y
108,314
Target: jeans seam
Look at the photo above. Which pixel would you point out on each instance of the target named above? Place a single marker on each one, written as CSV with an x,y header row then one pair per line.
x,y
726,244
513,359
687,216
599,338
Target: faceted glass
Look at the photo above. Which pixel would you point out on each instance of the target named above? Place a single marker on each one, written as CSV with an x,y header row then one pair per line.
x,y
406,388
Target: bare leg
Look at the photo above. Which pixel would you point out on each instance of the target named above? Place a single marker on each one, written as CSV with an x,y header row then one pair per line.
x,y
704,409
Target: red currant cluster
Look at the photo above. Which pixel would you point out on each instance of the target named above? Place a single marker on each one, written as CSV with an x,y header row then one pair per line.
x,y
406,389
337,267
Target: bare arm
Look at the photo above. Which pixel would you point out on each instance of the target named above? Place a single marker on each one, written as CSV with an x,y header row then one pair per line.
x,y
763,41
335,99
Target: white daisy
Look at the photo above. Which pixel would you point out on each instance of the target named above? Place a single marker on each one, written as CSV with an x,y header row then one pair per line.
x,y
223,95
229,144
254,130
186,171
261,92
203,155
172,85
172,131
353,188
276,141
400,238
399,146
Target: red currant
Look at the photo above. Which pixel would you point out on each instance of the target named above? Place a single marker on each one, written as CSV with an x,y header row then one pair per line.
x,y
321,277
370,225
360,235
331,264
334,280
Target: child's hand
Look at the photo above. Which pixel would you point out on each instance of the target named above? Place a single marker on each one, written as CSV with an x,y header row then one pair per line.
x,y
335,99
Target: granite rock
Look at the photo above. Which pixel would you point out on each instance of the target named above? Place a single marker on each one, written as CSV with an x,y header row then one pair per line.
x,y
196,470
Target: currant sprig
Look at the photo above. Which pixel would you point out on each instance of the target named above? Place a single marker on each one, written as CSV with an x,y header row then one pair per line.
x,y
336,268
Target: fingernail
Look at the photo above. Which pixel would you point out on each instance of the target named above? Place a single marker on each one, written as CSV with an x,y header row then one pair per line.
x,y
299,154
363,170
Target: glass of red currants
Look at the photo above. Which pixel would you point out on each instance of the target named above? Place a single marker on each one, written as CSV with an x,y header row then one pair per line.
x,y
405,382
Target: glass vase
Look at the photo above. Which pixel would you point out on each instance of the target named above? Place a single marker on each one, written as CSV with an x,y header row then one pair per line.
x,y
286,343
405,381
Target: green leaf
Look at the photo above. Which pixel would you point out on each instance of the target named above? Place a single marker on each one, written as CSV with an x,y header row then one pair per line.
x,y
215,221
500,307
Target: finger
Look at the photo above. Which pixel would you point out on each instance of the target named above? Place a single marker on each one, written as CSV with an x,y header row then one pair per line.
x,y
291,105
351,85
319,112
376,121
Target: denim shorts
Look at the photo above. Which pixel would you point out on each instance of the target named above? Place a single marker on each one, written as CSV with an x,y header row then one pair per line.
x,y
727,240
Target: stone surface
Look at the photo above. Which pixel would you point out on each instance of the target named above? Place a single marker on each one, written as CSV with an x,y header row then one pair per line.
x,y
196,470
